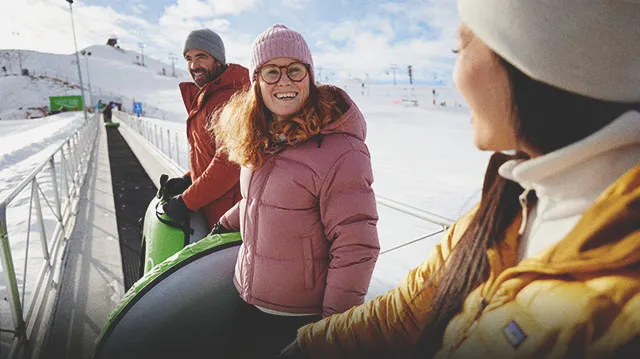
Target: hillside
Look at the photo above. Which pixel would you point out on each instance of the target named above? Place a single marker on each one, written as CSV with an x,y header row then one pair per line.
x,y
114,74
28,96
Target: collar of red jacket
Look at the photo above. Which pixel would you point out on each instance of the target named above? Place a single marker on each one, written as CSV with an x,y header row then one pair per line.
x,y
234,76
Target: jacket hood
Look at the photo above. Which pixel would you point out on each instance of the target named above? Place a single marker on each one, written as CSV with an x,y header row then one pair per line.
x,y
352,121
234,77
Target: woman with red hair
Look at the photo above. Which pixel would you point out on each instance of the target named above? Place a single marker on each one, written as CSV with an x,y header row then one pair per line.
x,y
308,214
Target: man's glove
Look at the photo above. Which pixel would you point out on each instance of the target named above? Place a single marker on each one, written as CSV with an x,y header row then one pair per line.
x,y
218,228
175,186
176,209
291,351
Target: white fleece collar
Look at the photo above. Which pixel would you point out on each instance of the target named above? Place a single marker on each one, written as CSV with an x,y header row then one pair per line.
x,y
583,168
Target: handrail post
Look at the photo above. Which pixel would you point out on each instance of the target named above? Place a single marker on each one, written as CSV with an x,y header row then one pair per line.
x,y
155,134
74,159
10,275
78,159
64,166
56,193
43,235
177,150
168,143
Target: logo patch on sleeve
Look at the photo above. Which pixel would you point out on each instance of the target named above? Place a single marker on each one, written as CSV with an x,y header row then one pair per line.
x,y
515,335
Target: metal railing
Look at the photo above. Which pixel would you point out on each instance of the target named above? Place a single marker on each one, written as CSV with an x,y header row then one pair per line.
x,y
426,216
161,138
57,182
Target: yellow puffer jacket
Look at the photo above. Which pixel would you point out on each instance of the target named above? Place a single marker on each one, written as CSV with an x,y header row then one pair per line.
x,y
578,299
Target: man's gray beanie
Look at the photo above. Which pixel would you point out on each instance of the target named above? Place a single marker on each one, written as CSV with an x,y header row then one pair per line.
x,y
206,40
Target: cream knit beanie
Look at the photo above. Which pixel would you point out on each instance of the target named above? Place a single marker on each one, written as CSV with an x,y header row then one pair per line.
x,y
589,47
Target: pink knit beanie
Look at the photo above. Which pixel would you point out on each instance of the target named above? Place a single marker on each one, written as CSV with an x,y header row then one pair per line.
x,y
279,41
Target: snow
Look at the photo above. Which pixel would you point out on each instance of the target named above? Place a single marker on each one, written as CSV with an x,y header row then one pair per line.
x,y
24,144
422,153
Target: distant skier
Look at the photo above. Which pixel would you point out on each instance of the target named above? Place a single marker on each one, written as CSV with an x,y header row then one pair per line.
x,y
212,183
106,113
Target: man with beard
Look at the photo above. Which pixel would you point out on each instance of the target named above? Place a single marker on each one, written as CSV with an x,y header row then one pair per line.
x,y
212,183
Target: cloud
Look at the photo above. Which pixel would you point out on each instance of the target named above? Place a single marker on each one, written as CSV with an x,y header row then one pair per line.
x,y
139,8
46,26
232,7
417,34
186,15
187,9
296,4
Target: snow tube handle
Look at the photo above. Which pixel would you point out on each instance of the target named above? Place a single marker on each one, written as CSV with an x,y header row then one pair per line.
x,y
163,180
185,226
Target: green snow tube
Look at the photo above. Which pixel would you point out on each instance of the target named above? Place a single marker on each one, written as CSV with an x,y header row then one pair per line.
x,y
183,308
112,124
162,236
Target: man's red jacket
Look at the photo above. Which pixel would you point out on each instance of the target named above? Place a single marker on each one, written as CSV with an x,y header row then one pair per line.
x,y
215,186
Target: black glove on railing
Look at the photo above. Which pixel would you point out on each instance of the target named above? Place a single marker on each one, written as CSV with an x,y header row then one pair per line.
x,y
175,186
176,209
218,228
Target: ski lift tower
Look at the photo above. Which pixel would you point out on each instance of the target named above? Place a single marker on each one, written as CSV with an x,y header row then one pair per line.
x,y
86,55
173,59
75,42
15,33
393,68
412,98
141,46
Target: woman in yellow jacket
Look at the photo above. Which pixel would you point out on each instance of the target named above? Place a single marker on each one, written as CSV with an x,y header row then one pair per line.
x,y
548,264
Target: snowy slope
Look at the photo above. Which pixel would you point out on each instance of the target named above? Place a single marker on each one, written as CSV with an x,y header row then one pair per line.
x,y
25,144
28,96
115,74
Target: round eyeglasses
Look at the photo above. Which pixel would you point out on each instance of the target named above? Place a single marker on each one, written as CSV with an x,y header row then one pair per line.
x,y
296,72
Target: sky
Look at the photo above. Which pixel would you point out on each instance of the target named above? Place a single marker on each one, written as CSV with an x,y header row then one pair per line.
x,y
363,39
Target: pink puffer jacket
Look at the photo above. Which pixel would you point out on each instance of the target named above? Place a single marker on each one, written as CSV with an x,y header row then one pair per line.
x,y
308,221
